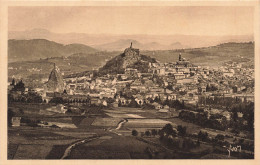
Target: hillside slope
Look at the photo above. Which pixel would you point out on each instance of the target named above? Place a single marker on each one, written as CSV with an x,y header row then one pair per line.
x,y
209,56
27,50
130,58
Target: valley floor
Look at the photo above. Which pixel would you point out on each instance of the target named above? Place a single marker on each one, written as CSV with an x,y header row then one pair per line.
x,y
103,138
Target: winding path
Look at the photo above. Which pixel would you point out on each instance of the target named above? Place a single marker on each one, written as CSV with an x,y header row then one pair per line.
x,y
68,150
120,124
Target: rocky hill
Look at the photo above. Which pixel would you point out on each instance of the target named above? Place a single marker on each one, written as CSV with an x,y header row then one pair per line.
x,y
27,50
130,58
55,81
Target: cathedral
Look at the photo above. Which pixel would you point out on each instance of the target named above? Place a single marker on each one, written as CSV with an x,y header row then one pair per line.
x,y
183,62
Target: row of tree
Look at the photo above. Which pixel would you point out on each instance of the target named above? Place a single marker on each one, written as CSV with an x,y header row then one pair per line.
x,y
31,97
201,118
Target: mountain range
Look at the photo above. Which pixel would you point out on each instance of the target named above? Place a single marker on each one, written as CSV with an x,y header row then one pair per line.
x,y
27,50
118,42
121,44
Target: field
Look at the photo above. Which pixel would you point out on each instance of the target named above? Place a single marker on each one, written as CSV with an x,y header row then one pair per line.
x,y
114,147
113,131
106,122
50,143
37,143
147,123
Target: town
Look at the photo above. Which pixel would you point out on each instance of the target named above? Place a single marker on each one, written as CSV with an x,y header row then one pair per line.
x,y
136,95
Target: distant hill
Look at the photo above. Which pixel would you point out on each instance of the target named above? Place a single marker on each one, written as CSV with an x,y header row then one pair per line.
x,y
118,42
209,56
27,50
177,45
121,44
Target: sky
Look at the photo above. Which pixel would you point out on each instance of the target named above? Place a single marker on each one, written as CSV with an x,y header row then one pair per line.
x,y
135,20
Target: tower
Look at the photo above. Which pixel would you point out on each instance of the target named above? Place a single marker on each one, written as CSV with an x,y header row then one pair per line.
x,y
180,57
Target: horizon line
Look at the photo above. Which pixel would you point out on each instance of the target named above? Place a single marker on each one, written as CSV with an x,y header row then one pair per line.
x,y
115,34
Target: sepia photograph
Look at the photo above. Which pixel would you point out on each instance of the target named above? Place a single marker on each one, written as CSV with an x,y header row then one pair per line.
x,y
130,82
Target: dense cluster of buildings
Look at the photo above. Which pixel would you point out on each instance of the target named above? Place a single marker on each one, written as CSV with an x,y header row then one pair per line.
x,y
178,80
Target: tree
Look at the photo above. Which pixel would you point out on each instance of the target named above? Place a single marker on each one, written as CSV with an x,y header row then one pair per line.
x,y
249,116
198,142
133,104
147,133
181,130
182,105
154,132
57,100
170,87
119,78
142,81
234,116
119,103
220,137
157,99
134,132
13,82
168,129
19,86
203,136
